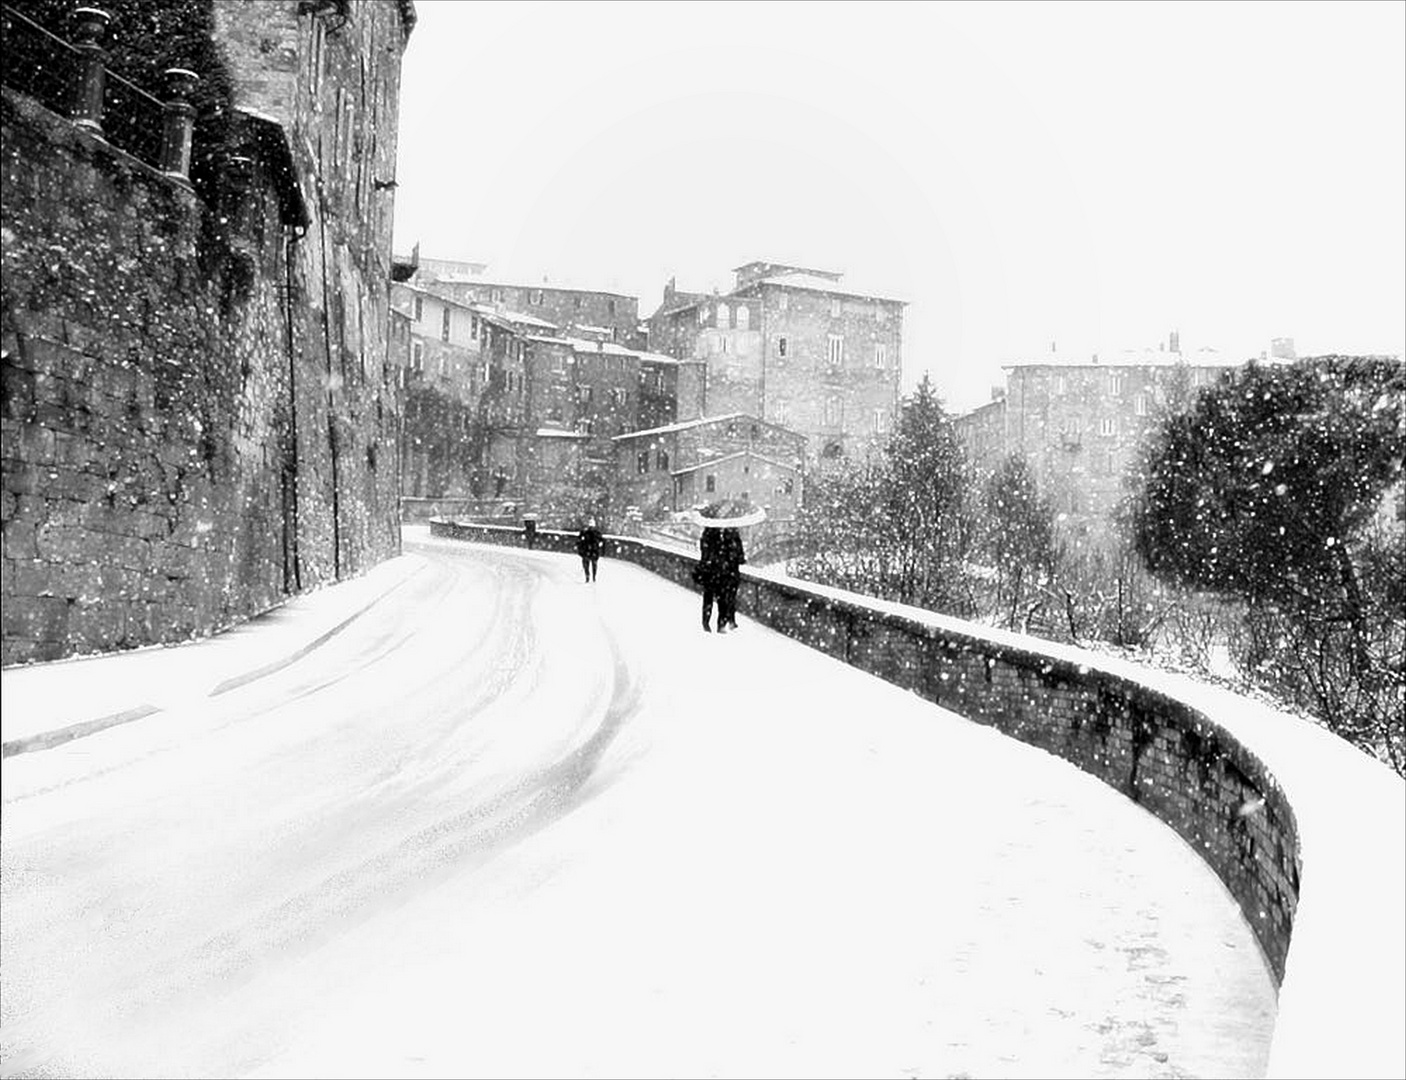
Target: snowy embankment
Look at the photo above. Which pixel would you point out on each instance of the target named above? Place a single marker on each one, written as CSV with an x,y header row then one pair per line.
x,y
1307,833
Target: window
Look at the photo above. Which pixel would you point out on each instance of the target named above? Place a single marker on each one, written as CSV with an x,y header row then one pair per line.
x,y
1140,405
610,306
788,485
419,308
584,394
881,314
722,343
642,461
535,297
710,482
702,315
879,417
832,410
496,296
724,317
744,317
881,356
558,364
417,356
576,302
661,459
444,330
836,307
1115,383
1109,464
778,412
1108,426
781,347
782,301
1061,386
836,350
1070,425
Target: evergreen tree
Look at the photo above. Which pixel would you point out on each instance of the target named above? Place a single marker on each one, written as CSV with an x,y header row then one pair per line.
x,y
1020,535
1281,487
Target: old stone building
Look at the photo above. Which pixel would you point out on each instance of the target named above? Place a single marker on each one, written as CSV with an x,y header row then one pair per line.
x,y
199,408
441,380
668,469
798,347
581,310
1081,424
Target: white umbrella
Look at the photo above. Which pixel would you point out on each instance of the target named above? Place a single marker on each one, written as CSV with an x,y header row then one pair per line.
x,y
726,515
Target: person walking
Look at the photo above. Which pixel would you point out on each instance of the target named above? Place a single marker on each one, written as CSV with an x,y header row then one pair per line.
x,y
708,574
729,578
588,545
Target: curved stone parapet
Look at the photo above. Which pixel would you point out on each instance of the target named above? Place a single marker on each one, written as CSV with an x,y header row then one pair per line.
x,y
1307,833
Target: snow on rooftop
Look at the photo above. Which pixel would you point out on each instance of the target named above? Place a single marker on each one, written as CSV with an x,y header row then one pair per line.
x,y
820,284
1204,356
681,425
512,316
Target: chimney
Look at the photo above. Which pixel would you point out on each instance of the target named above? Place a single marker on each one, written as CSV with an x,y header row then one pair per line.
x,y
1175,345
1052,346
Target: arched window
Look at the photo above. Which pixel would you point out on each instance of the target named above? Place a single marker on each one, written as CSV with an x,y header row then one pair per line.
x,y
724,317
744,317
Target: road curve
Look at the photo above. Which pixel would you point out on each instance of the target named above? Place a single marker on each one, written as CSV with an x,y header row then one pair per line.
x,y
507,823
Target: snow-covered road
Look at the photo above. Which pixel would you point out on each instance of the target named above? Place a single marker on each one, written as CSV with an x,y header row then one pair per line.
x,y
508,824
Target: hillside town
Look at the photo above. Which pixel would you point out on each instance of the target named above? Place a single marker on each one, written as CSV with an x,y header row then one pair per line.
x,y
364,707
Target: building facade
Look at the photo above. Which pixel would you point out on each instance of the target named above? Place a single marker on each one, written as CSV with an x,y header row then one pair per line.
x,y
676,467
584,311
798,347
1082,424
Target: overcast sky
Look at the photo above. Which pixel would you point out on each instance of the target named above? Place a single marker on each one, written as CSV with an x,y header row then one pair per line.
x,y
1088,174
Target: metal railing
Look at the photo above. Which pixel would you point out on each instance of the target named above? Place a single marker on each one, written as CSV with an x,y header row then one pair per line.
x,y
73,80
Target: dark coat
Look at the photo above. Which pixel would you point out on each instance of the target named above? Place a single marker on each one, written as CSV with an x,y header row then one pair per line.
x,y
732,555
588,543
720,557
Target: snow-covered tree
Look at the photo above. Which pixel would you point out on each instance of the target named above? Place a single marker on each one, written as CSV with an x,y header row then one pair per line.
x,y
1019,534
1282,487
900,526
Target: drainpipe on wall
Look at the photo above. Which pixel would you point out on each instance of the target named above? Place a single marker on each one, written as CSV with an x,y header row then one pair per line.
x,y
291,558
331,406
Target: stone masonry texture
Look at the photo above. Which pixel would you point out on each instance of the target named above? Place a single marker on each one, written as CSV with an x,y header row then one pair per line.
x,y
189,434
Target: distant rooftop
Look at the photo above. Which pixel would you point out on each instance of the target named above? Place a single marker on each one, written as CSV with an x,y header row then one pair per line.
x,y
1205,356
812,283
682,425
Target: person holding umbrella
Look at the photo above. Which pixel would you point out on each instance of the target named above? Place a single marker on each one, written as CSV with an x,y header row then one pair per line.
x,y
720,558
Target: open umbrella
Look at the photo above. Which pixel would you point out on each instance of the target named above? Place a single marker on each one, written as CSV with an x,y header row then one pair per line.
x,y
726,514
